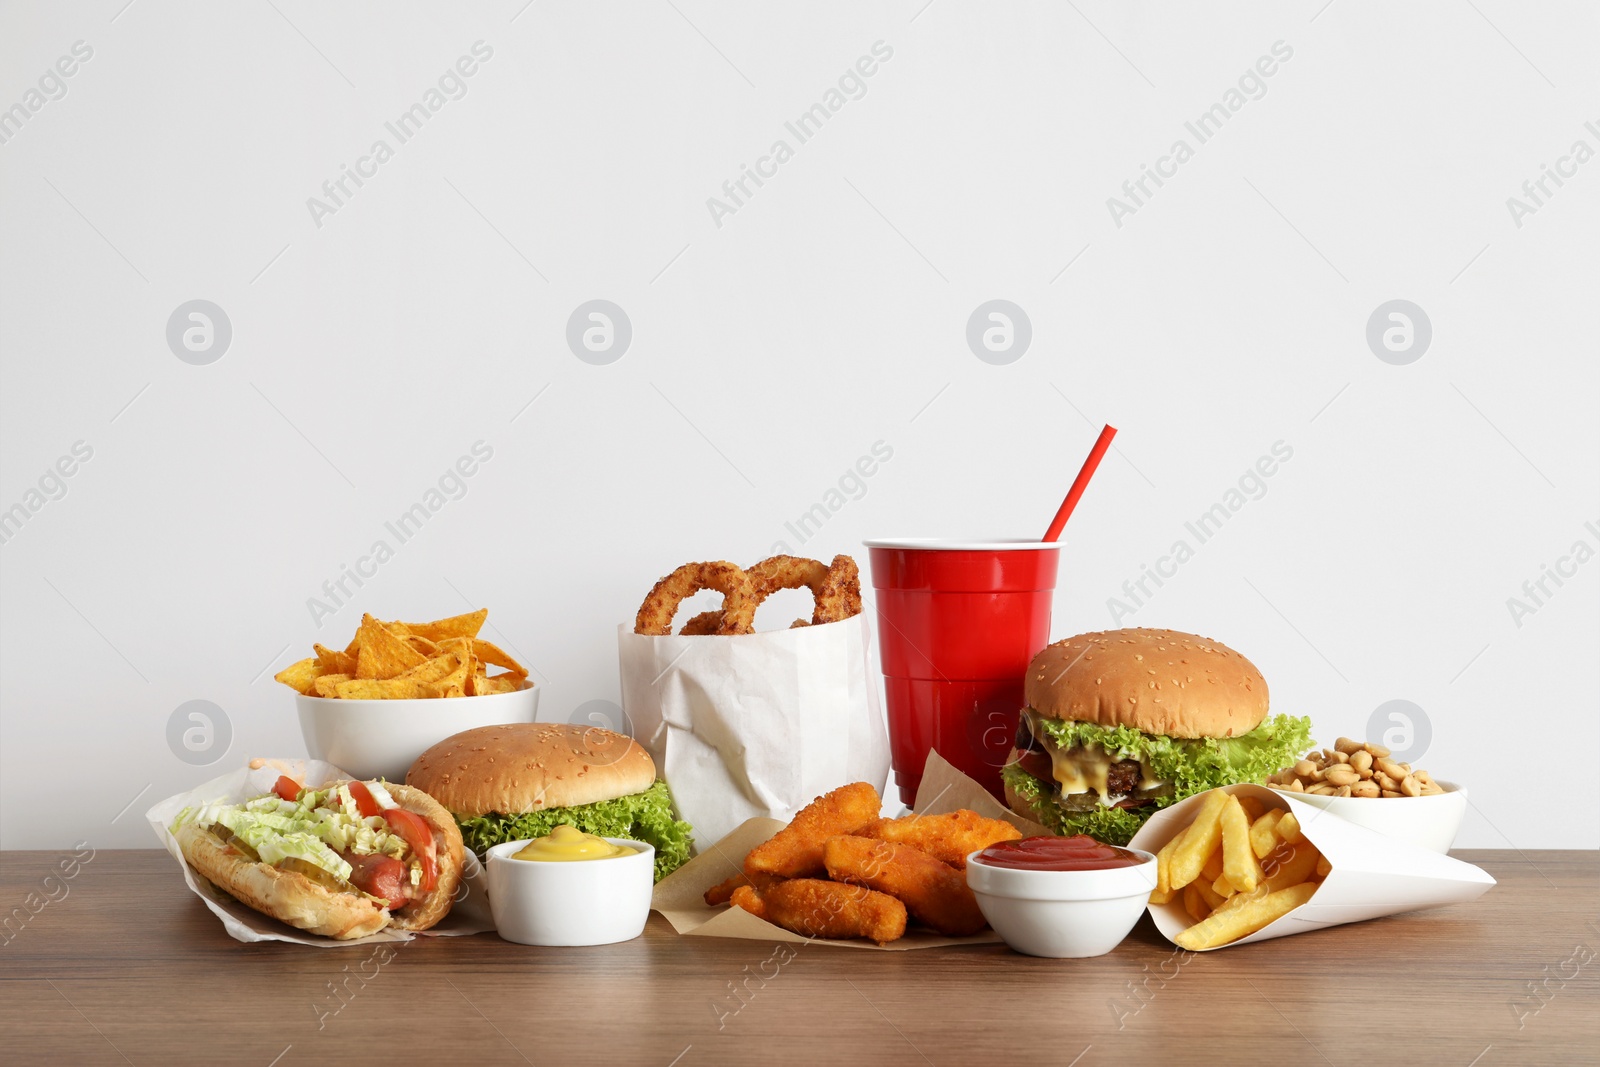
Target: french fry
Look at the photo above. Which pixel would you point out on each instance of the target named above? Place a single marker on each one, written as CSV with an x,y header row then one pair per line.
x,y
1239,864
1213,899
1252,807
1200,840
1262,839
1194,904
1163,891
1254,914
1288,829
1290,865
1324,868
1222,887
1213,868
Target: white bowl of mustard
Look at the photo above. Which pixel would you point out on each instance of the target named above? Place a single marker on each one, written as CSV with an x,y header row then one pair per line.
x,y
570,888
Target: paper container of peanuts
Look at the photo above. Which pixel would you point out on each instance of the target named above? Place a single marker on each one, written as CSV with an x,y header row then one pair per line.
x,y
755,725
1320,871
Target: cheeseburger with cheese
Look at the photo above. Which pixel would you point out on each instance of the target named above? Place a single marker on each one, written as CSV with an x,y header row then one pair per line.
x,y
1123,723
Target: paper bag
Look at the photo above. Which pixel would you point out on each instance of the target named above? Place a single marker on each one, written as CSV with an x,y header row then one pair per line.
x,y
757,725
1373,875
469,914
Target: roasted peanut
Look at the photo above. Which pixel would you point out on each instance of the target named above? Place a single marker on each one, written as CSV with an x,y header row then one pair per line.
x,y
1342,776
1353,769
1392,769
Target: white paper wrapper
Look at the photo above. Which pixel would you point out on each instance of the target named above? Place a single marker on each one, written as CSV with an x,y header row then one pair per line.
x,y
758,725
469,915
1373,875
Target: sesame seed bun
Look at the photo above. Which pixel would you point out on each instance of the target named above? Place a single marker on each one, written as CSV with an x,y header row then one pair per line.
x,y
531,766
1155,681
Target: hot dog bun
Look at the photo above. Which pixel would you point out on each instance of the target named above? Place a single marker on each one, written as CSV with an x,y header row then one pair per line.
x,y
291,897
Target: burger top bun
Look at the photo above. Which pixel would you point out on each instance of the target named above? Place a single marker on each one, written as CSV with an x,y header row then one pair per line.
x,y
1155,681
531,766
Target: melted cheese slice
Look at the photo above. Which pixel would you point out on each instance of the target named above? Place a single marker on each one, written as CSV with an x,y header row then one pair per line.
x,y
1085,769
1079,771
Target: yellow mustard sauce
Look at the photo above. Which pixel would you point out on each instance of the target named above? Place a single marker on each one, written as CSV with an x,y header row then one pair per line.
x,y
567,844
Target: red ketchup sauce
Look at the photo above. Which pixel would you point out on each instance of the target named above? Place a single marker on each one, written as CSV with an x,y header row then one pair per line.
x,y
1077,853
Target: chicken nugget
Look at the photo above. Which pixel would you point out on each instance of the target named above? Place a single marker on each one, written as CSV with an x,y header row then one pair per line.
x,y
796,850
722,892
744,896
950,837
935,893
812,907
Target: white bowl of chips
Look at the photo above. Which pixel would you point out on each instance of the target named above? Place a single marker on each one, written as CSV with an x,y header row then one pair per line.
x,y
383,738
399,688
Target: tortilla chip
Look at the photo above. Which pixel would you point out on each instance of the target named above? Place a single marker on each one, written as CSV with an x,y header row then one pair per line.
x,y
298,676
466,625
331,662
381,654
500,683
327,685
422,644
489,653
380,689
455,680
441,666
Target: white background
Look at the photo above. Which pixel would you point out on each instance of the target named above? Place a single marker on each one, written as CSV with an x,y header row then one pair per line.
x,y
769,353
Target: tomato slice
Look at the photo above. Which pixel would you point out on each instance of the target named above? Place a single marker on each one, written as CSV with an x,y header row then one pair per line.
x,y
286,787
366,803
415,831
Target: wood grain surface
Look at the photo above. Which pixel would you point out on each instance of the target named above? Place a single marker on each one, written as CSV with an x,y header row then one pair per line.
x,y
124,965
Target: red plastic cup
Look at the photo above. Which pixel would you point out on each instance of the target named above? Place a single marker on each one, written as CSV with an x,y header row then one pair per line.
x,y
958,622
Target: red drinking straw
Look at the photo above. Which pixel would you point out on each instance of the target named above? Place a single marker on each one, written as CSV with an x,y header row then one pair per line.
x,y
1081,482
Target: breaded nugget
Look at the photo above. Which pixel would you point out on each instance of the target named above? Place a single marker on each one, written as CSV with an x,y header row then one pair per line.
x,y
935,893
722,892
796,850
815,908
950,838
745,897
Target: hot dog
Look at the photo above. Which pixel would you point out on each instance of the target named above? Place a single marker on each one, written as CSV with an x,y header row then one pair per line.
x,y
343,861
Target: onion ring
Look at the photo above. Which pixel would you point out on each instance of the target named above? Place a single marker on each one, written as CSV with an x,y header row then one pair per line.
x,y
738,600
840,595
836,590
702,625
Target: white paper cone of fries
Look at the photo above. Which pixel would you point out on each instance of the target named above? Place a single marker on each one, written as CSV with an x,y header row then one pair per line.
x,y
468,915
756,725
1371,874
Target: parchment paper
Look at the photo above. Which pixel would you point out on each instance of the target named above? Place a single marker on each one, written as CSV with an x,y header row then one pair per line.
x,y
680,897
469,914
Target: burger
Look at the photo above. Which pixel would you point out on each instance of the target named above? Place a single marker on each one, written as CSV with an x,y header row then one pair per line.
x,y
1121,724
513,782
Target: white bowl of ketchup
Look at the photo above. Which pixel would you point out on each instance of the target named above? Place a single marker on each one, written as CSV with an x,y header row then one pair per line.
x,y
1061,897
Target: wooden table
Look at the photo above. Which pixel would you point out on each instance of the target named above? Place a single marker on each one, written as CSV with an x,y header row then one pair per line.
x,y
126,966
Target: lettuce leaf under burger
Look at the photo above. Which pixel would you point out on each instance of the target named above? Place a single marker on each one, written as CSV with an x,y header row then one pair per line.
x,y
644,816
